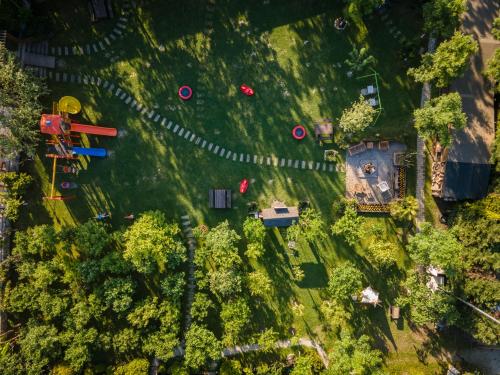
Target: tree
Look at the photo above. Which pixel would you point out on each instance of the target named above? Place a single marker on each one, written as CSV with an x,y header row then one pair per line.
x,y
353,356
345,281
224,283
259,283
495,30
40,344
349,226
434,120
219,246
448,62
359,59
312,225
235,316
442,17
91,239
423,305
358,117
20,92
254,250
493,69
201,344
298,273
404,210
200,306
336,315
138,366
438,248
126,341
118,293
254,230
15,186
382,254
267,340
152,245
307,364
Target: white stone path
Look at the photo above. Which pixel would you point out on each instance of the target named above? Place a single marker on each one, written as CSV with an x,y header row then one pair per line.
x,y
103,43
186,134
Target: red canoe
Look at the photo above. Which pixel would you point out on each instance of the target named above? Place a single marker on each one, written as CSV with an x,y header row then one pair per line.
x,y
246,90
243,186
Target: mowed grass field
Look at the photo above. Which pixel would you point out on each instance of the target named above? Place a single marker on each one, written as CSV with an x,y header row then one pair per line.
x,y
293,57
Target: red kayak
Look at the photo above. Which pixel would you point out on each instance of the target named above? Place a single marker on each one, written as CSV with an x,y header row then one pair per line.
x,y
246,90
243,186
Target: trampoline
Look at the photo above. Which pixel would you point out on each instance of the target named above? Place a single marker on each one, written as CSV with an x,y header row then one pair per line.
x,y
185,92
299,132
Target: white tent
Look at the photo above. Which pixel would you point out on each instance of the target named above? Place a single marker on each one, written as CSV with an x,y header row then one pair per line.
x,y
369,295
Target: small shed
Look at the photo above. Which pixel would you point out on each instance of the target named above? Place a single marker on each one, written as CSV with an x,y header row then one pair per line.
x,y
323,132
219,198
279,215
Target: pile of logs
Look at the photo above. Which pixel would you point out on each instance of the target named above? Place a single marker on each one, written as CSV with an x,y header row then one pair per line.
x,y
437,177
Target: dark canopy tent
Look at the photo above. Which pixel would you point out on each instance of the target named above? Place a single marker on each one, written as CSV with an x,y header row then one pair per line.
x,y
465,181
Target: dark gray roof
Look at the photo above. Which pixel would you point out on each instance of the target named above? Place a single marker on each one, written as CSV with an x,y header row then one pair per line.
x,y
465,181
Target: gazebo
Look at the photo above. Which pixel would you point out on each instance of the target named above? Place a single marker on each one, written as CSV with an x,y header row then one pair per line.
x,y
370,296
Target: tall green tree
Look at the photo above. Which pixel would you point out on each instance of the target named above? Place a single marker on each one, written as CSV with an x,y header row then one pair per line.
x,y
382,254
254,230
353,356
201,345
345,281
435,119
349,226
357,117
259,283
152,245
424,306
404,210
438,248
20,108
235,315
442,17
449,61
492,70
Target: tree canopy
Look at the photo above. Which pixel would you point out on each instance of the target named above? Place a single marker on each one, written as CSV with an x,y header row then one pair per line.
x,y
448,62
349,226
437,248
20,93
442,17
434,120
353,356
357,117
201,345
345,281
153,245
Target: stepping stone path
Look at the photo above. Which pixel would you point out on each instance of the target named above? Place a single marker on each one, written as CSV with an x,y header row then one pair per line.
x,y
160,122
187,230
104,42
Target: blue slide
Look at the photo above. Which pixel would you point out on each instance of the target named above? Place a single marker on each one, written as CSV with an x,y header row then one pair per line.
x,y
89,151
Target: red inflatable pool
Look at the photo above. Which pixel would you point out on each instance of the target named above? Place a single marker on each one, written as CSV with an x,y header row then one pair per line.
x,y
185,92
243,186
246,90
299,132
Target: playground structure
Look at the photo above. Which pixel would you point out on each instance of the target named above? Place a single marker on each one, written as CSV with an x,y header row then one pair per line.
x,y
64,142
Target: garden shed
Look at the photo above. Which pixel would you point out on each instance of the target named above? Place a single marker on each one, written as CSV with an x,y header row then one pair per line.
x,y
279,215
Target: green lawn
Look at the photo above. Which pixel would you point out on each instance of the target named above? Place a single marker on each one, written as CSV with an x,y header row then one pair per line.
x,y
288,52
